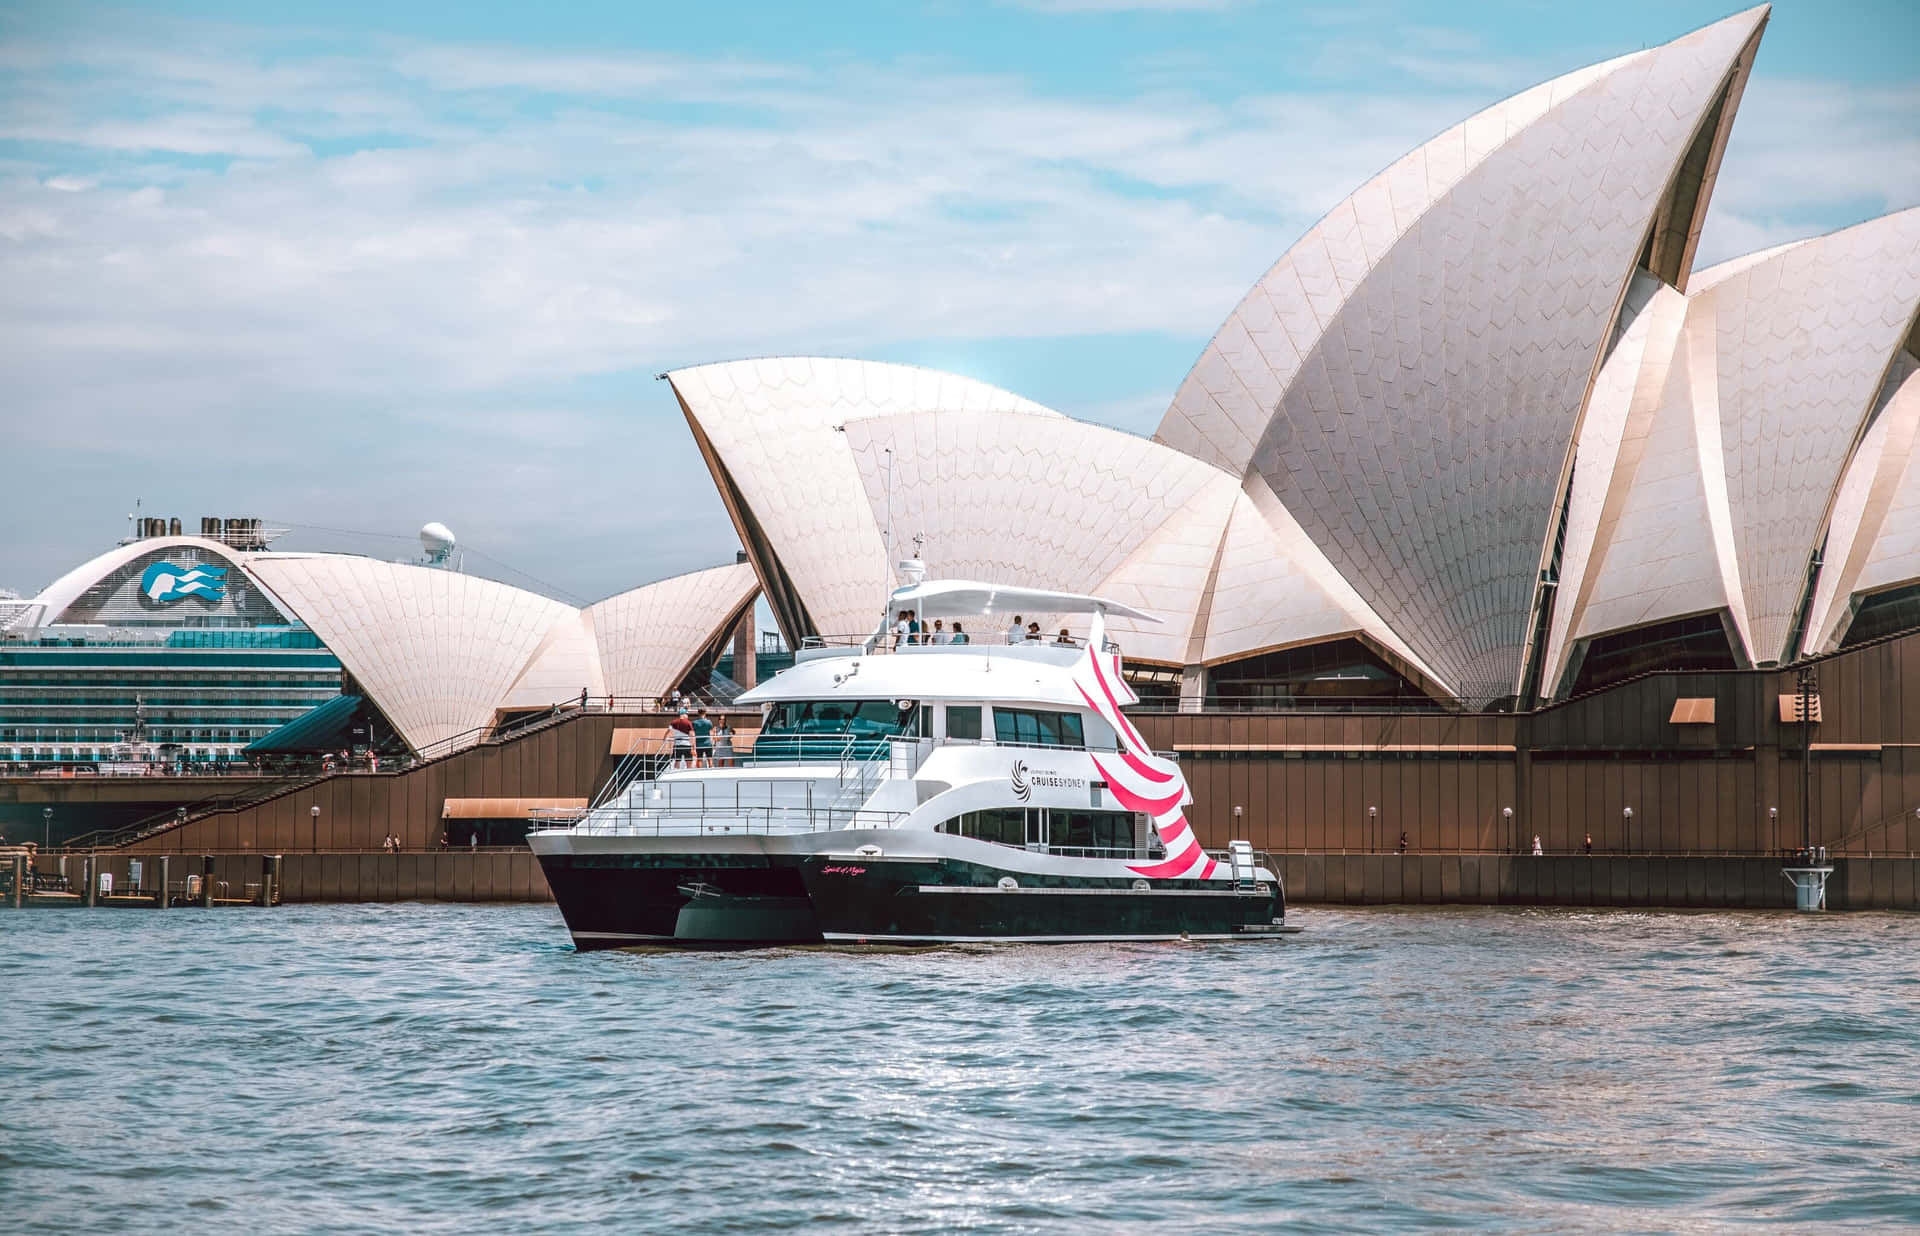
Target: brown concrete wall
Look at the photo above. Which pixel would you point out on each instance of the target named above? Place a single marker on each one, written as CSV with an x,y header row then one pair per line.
x,y
1574,880
453,875
1304,781
1310,879
566,760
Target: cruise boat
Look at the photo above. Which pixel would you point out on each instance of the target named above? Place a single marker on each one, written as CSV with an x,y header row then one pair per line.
x,y
905,792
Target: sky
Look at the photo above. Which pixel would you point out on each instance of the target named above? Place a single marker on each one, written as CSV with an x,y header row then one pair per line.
x,y
350,267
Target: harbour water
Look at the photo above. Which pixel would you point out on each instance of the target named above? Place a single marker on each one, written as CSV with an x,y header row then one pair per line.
x,y
448,1068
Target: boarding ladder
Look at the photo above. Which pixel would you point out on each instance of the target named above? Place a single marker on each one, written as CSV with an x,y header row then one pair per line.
x,y
857,781
1241,862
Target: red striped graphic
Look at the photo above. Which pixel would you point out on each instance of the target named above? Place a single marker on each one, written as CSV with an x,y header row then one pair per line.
x,y
1141,780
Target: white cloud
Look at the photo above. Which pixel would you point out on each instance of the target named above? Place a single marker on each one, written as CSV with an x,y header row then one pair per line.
x,y
1807,157
369,280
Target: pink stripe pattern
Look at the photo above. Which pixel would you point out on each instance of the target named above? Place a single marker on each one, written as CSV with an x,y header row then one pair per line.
x,y
1139,779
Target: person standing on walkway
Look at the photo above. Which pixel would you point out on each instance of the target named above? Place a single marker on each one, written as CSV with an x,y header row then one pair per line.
x,y
1537,851
1589,845
703,740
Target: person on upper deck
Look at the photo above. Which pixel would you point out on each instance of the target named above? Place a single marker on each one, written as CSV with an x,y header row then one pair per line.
x,y
959,636
1015,632
1033,631
900,630
939,635
703,740
1064,638
914,629
680,730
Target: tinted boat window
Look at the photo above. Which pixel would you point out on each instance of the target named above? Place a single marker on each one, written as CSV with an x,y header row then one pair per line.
x,y
1038,728
963,721
1091,830
1002,825
866,718
810,729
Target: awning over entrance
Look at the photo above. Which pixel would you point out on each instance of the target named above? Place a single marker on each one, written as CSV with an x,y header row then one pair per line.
x,y
326,728
506,808
629,741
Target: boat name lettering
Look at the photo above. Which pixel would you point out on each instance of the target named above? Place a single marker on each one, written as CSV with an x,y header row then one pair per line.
x,y
1026,780
843,870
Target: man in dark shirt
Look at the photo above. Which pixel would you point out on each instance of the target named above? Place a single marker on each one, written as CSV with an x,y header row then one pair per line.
x,y
702,740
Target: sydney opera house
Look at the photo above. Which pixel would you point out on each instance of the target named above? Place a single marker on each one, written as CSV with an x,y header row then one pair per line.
x,y
1484,436
1486,510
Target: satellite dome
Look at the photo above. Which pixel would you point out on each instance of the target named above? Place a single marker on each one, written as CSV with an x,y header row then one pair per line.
x,y
438,540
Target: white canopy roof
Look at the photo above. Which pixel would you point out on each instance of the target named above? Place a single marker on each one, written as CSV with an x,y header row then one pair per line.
x,y
966,598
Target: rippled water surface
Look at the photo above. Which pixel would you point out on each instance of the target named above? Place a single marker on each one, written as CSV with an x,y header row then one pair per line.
x,y
422,1068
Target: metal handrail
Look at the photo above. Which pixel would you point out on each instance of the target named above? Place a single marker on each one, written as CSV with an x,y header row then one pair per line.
x,y
724,821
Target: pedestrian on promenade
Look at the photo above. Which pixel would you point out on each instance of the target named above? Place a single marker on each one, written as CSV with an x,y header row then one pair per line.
x,y
1589,845
1537,851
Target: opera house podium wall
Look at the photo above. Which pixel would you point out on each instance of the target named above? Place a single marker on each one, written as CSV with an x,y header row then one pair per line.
x,y
1689,784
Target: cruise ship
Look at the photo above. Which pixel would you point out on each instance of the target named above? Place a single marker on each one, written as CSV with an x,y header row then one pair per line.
x,y
158,654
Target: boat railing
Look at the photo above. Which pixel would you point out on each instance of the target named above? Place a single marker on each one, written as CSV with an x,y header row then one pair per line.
x,y
1130,853
884,643
742,821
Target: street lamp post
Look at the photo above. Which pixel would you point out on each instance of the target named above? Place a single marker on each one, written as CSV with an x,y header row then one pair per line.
x,y
1807,683
314,812
46,828
1773,828
1373,816
1506,814
1626,814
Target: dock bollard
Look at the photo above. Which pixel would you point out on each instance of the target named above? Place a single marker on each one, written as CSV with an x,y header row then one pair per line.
x,y
166,901
206,881
269,878
91,897
19,880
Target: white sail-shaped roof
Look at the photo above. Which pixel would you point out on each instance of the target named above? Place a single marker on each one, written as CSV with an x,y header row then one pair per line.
x,y
1803,339
1021,496
1052,503
1739,429
1875,538
437,650
565,664
771,431
648,638
1408,379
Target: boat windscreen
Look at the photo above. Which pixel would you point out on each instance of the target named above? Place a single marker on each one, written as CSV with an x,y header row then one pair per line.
x,y
857,718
